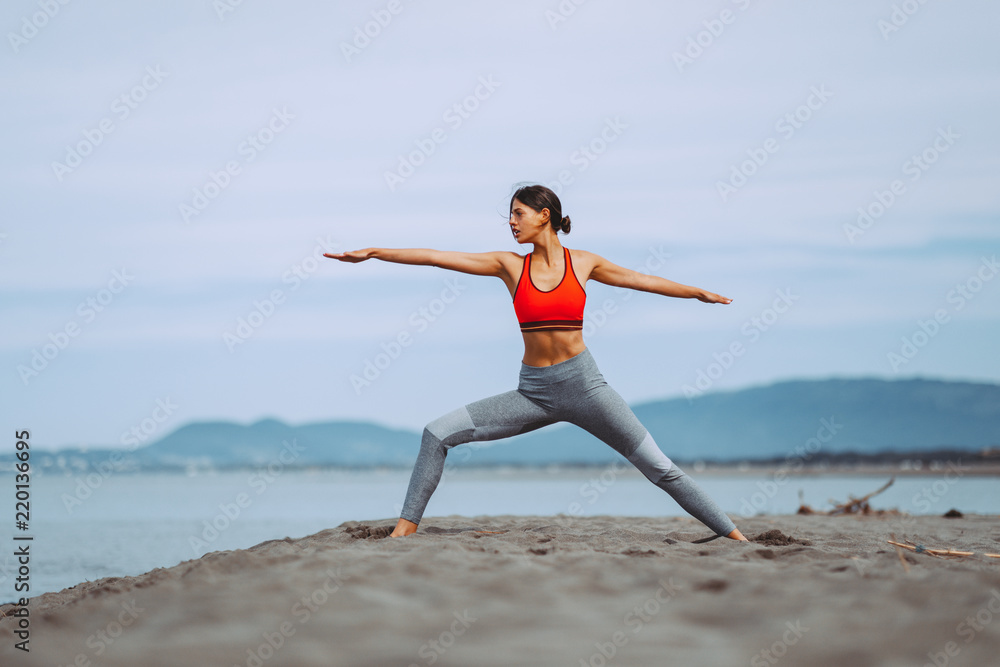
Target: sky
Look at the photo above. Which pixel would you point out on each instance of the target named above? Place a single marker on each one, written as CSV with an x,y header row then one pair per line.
x,y
173,172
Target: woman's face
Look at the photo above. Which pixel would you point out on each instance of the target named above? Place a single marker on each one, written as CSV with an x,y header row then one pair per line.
x,y
525,222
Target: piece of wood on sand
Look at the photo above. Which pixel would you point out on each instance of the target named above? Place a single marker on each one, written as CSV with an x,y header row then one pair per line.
x,y
938,553
899,552
853,505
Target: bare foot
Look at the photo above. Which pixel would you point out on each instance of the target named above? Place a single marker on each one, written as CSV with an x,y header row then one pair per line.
x,y
736,535
403,528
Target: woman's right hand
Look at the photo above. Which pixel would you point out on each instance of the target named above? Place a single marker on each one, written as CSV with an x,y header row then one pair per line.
x,y
351,255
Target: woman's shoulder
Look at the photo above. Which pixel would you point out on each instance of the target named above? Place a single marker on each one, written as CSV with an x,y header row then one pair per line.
x,y
584,258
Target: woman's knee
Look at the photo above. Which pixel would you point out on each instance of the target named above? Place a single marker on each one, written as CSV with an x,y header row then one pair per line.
x,y
651,461
450,429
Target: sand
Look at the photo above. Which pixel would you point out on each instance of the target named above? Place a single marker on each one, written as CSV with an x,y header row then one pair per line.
x,y
547,590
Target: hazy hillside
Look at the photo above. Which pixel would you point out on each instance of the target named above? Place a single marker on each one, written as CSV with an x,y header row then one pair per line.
x,y
818,416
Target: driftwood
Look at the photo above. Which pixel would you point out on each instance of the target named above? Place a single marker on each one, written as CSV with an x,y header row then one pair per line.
x,y
853,505
899,552
937,553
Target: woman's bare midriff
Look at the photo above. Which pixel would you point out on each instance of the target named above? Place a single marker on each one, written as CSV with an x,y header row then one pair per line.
x,y
545,348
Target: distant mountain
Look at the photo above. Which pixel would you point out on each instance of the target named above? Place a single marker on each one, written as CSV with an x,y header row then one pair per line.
x,y
341,443
791,418
873,415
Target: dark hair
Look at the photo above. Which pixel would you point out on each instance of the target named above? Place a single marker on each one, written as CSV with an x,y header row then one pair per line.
x,y
539,197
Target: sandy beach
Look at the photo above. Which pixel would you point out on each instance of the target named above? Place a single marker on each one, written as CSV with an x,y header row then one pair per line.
x,y
547,590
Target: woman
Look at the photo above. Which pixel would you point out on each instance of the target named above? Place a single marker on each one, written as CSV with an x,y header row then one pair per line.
x,y
559,379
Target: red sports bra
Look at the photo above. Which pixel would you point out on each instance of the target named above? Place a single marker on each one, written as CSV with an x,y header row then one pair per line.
x,y
559,309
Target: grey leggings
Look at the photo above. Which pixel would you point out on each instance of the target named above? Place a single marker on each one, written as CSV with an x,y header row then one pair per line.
x,y
573,391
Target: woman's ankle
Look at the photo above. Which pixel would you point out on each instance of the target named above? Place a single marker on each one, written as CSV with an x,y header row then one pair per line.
x,y
403,528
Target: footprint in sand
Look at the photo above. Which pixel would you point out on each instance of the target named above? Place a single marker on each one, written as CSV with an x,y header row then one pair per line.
x,y
776,538
364,531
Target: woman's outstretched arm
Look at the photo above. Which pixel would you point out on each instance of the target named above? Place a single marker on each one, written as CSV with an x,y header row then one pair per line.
x,y
401,255
477,263
610,273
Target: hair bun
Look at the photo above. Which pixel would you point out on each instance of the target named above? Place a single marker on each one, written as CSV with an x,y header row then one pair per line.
x,y
565,223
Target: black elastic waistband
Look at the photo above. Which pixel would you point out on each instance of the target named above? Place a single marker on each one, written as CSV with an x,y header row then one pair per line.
x,y
552,325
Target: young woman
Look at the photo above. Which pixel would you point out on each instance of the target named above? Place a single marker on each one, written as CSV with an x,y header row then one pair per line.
x,y
559,379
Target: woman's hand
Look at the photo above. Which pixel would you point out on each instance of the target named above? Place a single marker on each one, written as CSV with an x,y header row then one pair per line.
x,y
351,255
711,297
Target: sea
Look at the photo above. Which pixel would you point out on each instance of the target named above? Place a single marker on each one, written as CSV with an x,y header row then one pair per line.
x,y
87,528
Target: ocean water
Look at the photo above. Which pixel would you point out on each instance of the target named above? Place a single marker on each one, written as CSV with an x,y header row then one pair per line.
x,y
129,524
